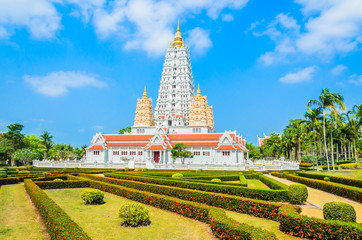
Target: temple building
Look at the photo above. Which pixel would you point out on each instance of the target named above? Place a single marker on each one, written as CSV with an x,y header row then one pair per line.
x,y
180,116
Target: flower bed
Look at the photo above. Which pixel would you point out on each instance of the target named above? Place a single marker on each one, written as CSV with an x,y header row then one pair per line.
x,y
352,193
58,223
313,228
253,207
273,195
336,179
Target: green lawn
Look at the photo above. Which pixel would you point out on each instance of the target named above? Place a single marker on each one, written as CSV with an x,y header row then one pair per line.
x,y
101,222
255,183
17,217
266,224
352,173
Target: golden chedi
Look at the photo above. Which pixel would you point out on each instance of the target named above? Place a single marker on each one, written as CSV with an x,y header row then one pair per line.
x,y
144,112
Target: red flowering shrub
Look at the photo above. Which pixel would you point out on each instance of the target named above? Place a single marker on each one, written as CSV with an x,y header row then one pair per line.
x,y
342,180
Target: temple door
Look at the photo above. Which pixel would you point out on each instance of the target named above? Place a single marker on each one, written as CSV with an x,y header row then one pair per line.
x,y
156,157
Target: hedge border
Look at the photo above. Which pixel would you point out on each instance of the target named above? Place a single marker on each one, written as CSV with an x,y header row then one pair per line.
x,y
336,179
59,225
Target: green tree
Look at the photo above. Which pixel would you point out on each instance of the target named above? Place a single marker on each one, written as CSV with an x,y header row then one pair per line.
x,y
125,130
46,141
254,152
25,156
313,116
35,144
11,141
272,146
179,151
327,100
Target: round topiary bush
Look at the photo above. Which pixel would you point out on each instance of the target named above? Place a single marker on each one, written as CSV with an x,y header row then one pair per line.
x,y
126,169
339,211
215,180
58,180
298,193
199,170
251,170
92,196
134,214
327,179
144,169
177,175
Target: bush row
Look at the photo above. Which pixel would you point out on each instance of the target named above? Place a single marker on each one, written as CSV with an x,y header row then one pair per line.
x,y
63,184
253,207
273,195
273,184
58,223
10,180
302,226
243,181
342,180
222,226
352,193
349,166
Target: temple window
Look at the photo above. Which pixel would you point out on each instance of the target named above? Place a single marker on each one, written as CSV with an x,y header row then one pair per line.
x,y
124,153
226,153
140,153
95,152
206,153
132,153
115,152
196,153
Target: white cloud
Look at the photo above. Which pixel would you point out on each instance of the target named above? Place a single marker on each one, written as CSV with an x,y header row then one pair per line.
x,y
199,40
58,83
39,17
337,70
330,27
303,75
227,17
355,79
98,128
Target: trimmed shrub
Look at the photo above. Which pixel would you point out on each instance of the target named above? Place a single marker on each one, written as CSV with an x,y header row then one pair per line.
x,y
326,179
243,180
92,196
339,211
251,170
61,184
10,180
177,175
199,170
215,180
298,193
24,172
336,179
58,180
126,169
273,184
3,174
349,166
134,214
144,170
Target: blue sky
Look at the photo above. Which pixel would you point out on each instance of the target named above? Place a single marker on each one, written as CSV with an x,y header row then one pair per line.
x,y
77,67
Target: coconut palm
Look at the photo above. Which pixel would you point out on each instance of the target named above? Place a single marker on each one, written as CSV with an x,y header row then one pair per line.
x,y
313,116
327,101
46,141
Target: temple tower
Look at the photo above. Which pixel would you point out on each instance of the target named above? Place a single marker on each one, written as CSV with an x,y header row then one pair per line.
x,y
209,115
144,112
177,86
198,110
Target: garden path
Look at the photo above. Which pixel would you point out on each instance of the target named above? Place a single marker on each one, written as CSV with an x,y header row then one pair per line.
x,y
317,198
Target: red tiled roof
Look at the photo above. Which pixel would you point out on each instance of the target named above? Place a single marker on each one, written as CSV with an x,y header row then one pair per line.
x,y
198,144
226,147
127,137
123,144
156,147
197,137
96,147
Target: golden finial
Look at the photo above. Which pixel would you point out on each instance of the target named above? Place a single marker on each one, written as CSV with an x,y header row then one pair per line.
x,y
198,93
178,42
170,44
144,94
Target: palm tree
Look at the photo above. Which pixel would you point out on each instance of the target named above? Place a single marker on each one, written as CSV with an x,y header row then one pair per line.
x,y
327,100
46,141
313,116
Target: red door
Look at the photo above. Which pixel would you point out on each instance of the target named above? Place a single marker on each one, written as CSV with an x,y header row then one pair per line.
x,y
156,157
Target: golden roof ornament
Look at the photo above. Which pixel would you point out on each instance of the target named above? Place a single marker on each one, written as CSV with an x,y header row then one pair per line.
x,y
198,93
178,42
144,94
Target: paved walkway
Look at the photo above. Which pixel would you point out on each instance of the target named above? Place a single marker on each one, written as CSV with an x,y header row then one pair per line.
x,y
317,198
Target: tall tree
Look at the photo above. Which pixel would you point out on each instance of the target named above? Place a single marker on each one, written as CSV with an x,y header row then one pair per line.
x,y
46,140
25,156
313,116
179,151
327,100
11,141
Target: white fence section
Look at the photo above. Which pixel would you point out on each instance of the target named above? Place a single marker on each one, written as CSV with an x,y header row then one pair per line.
x,y
259,165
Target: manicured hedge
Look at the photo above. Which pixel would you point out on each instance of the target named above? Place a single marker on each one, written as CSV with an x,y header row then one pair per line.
x,y
253,207
9,180
243,180
313,228
63,184
58,223
342,180
222,226
273,195
278,174
352,193
272,183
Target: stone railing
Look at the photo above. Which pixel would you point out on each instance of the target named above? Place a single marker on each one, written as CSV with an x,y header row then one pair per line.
x,y
80,164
